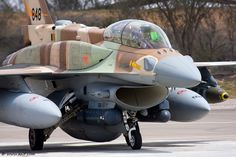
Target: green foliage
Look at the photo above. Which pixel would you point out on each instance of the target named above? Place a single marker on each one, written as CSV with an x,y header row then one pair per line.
x,y
10,34
229,85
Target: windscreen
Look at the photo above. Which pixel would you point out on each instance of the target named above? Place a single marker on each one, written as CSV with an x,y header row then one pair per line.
x,y
137,34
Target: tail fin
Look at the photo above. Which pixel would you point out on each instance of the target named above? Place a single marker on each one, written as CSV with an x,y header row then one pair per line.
x,y
37,11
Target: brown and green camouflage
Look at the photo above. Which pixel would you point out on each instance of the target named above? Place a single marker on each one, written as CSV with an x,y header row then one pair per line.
x,y
75,49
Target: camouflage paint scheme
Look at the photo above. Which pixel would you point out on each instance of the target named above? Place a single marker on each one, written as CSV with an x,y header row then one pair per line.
x,y
80,49
92,83
75,48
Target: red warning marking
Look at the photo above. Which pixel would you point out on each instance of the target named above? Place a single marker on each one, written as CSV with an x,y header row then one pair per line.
x,y
85,59
33,98
181,91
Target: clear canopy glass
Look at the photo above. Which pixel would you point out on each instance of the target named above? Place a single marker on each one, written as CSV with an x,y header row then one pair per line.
x,y
137,34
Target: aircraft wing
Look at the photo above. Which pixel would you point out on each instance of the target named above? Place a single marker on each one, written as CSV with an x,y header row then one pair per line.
x,y
54,71
215,64
32,70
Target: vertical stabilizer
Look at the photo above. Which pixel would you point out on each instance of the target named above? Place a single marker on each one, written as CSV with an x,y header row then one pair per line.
x,y
37,12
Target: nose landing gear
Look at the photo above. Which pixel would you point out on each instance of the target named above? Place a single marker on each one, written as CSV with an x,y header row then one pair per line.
x,y
134,139
133,136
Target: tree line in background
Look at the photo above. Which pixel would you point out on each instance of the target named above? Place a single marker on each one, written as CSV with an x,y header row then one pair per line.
x,y
204,29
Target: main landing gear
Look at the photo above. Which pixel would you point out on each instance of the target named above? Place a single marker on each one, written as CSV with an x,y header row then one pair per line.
x,y
133,136
36,139
70,107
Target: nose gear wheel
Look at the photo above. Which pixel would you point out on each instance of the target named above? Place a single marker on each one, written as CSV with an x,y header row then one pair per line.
x,y
133,136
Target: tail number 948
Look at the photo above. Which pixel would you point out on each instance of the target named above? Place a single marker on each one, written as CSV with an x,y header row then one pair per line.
x,y
36,14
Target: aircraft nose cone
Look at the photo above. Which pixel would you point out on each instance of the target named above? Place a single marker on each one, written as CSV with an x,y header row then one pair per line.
x,y
178,71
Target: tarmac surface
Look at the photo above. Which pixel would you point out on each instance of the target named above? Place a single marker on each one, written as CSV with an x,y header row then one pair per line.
x,y
214,135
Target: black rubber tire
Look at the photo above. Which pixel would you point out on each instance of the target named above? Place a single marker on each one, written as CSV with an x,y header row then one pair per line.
x,y
136,144
137,127
127,138
36,139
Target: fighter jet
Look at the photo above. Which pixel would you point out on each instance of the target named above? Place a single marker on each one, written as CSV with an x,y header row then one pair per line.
x,y
98,83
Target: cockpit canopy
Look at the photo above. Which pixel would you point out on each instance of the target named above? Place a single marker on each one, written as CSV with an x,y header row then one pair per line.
x,y
137,34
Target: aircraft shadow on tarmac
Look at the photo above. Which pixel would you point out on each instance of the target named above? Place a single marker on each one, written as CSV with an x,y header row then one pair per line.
x,y
108,148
